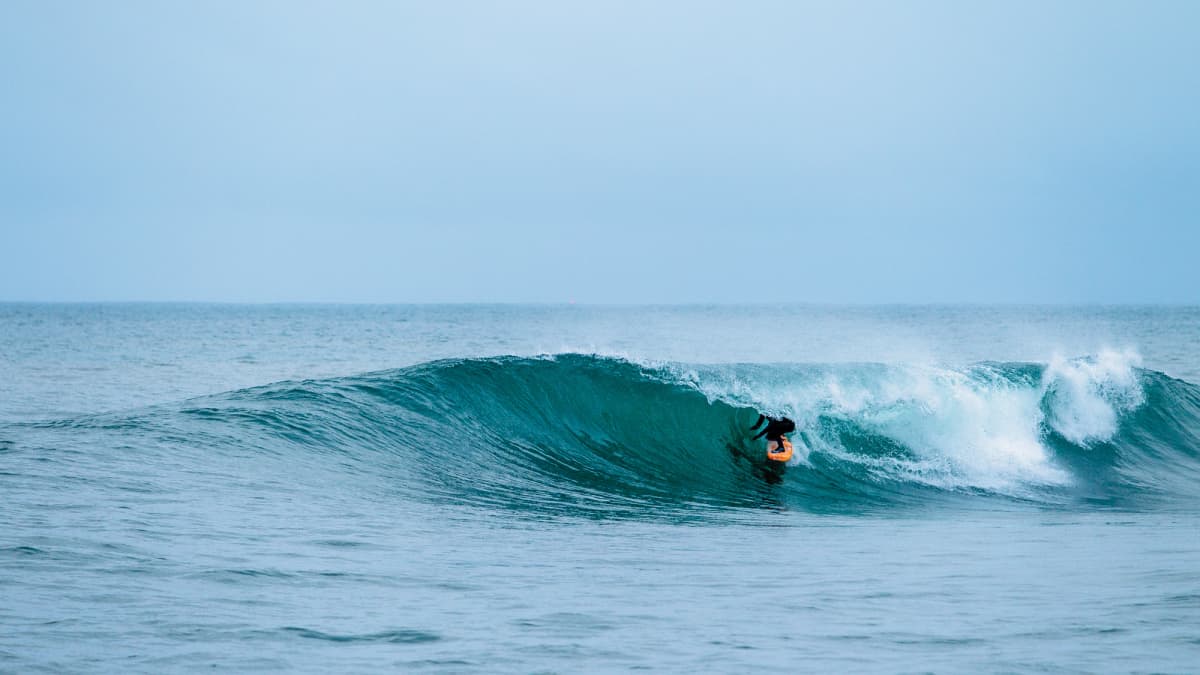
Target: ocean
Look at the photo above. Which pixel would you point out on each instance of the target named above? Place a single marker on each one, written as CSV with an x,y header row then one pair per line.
x,y
560,488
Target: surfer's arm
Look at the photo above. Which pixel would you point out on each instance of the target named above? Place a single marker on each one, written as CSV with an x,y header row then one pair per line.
x,y
760,434
761,418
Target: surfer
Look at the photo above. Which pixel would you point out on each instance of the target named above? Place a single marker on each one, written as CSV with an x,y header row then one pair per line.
x,y
779,448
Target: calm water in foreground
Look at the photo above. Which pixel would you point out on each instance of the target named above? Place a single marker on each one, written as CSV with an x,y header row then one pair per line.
x,y
538,488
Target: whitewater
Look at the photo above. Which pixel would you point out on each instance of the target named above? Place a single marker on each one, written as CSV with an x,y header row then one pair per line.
x,y
542,488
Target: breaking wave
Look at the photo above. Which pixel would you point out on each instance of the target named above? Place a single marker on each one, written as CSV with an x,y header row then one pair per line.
x,y
583,434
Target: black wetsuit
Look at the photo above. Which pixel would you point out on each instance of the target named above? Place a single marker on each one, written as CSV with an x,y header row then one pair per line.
x,y
775,428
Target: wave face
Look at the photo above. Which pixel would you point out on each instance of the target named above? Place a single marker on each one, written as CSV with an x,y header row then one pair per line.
x,y
582,434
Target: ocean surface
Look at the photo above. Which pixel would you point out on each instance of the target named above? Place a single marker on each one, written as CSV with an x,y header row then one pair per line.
x,y
335,488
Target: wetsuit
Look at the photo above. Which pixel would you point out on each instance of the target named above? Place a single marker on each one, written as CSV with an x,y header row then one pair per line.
x,y
775,428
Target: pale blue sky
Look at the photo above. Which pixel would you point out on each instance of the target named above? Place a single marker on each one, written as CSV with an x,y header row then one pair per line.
x,y
600,151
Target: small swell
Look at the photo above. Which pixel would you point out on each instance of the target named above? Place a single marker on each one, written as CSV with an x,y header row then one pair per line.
x,y
390,636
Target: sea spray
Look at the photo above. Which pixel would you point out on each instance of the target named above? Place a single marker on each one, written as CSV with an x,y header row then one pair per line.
x,y
1085,398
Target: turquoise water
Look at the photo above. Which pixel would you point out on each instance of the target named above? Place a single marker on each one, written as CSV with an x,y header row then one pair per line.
x,y
508,488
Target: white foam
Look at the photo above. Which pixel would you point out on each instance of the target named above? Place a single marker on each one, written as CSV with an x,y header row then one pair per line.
x,y
1086,396
977,427
964,432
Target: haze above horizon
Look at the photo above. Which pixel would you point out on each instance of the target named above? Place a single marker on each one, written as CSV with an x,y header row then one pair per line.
x,y
607,153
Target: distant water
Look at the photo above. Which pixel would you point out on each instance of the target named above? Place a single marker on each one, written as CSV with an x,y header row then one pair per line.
x,y
539,488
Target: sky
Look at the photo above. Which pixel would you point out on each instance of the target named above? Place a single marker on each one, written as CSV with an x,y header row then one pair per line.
x,y
600,151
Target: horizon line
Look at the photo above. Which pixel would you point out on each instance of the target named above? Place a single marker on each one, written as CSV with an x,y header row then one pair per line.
x,y
575,303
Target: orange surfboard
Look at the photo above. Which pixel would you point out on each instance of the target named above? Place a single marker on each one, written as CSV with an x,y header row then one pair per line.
x,y
781,453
